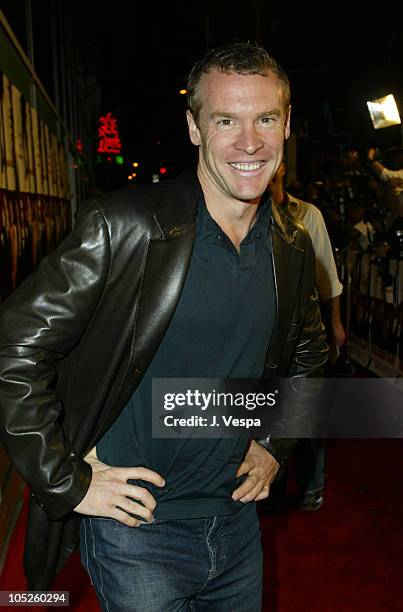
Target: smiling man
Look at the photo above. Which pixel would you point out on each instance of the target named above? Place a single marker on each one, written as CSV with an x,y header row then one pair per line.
x,y
240,129
198,277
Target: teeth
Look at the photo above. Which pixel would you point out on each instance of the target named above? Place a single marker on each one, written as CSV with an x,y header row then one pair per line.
x,y
253,166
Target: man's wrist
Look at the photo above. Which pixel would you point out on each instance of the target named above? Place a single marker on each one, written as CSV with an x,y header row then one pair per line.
x,y
278,451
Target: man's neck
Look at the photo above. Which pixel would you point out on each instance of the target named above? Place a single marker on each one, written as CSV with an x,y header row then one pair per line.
x,y
235,217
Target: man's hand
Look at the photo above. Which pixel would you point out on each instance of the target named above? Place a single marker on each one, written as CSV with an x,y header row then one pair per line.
x,y
261,468
371,154
110,495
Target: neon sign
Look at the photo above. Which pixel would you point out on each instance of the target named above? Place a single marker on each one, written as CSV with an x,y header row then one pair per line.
x,y
108,133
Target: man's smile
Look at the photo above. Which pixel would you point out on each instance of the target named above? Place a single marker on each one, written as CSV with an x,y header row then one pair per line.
x,y
247,166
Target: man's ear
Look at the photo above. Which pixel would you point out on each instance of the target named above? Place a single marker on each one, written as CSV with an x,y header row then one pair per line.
x,y
194,133
287,124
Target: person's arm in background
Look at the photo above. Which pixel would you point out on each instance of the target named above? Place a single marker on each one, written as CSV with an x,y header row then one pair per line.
x,y
327,280
376,165
338,335
384,173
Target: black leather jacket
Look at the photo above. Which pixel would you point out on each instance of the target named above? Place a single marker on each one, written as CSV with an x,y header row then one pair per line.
x,y
77,336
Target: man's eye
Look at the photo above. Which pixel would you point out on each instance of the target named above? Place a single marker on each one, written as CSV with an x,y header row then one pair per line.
x,y
267,120
225,122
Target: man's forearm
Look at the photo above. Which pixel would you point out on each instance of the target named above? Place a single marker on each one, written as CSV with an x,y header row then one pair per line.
x,y
333,309
336,327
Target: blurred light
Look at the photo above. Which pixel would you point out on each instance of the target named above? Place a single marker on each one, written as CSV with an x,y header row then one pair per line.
x,y
163,170
155,178
134,175
135,164
130,177
383,112
109,158
183,92
119,160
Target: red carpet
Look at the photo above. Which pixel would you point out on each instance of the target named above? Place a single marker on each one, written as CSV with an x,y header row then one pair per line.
x,y
347,557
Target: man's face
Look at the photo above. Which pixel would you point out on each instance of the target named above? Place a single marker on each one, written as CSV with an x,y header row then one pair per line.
x,y
241,132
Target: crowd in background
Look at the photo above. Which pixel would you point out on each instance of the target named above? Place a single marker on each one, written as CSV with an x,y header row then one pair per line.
x,y
360,209
361,200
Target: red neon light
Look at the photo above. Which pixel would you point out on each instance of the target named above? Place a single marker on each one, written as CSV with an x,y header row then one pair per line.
x,y
163,170
109,141
79,145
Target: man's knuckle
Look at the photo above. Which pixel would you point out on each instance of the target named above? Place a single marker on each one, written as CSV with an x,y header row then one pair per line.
x,y
135,491
148,515
128,520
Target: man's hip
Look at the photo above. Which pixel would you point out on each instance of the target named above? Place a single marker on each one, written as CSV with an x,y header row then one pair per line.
x,y
212,563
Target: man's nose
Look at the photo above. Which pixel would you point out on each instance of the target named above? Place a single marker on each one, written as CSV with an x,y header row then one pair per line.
x,y
249,140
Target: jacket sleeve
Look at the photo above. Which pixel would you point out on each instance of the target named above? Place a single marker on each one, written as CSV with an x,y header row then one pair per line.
x,y
39,325
304,366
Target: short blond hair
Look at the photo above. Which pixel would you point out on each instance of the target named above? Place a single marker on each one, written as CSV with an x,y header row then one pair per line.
x,y
238,58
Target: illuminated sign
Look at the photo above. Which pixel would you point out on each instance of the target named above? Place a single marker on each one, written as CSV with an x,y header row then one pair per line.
x,y
108,133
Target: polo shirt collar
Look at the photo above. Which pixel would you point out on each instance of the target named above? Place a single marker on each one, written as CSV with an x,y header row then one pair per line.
x,y
206,226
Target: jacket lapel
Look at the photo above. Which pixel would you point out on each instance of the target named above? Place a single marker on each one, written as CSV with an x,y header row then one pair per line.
x,y
166,266
164,275
287,266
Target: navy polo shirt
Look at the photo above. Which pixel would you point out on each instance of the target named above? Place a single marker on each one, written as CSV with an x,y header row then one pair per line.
x,y
221,328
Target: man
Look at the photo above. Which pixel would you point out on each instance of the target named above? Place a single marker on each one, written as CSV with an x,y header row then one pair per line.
x,y
310,453
191,278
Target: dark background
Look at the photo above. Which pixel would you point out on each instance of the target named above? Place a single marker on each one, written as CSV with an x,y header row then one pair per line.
x,y
139,53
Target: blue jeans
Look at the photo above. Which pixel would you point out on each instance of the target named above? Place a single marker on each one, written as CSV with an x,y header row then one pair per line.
x,y
212,563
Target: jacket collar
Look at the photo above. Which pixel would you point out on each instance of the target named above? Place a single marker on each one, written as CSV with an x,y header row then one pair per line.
x,y
177,209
